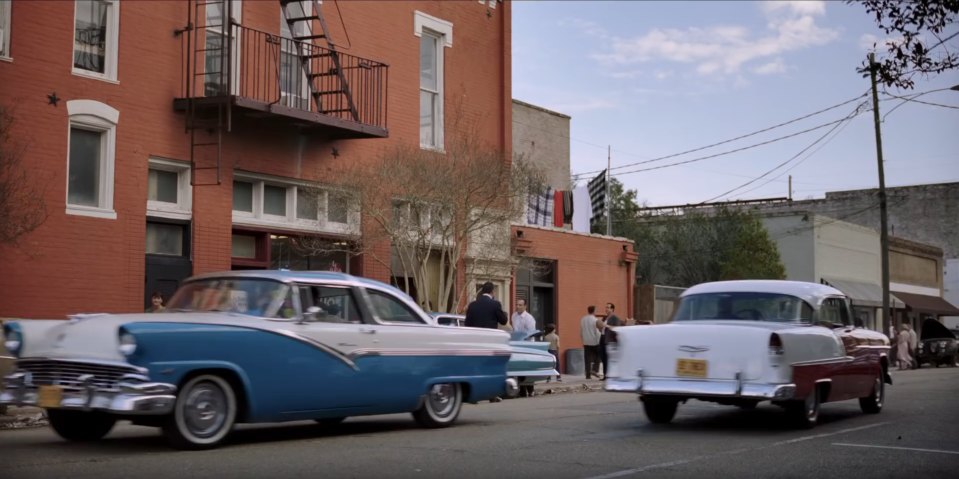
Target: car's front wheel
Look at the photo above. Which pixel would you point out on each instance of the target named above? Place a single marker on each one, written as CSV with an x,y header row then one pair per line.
x,y
660,410
80,426
872,404
441,406
203,415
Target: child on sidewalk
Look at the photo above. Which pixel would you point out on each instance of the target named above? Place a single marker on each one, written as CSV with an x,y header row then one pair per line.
x,y
553,348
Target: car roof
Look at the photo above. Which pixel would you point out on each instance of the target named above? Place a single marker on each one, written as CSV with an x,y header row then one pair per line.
x,y
810,292
306,276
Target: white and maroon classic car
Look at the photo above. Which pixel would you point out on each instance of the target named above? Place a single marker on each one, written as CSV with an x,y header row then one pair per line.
x,y
742,342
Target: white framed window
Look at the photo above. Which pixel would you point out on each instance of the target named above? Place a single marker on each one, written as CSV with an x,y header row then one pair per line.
x,y
435,34
90,158
294,90
214,63
168,189
265,201
95,38
5,22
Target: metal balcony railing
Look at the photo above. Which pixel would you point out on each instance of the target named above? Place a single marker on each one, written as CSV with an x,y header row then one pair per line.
x,y
266,72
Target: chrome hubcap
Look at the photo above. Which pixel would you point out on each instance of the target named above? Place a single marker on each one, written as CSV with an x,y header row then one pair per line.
x,y
442,399
880,391
205,410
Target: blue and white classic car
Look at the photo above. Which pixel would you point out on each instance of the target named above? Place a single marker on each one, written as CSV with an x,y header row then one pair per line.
x,y
531,361
253,346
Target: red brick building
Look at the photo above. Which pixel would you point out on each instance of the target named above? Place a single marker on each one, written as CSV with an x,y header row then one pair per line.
x,y
168,142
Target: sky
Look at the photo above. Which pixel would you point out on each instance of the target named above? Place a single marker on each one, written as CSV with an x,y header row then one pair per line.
x,y
656,79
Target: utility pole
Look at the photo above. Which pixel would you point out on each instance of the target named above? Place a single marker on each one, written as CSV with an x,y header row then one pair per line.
x,y
609,200
883,225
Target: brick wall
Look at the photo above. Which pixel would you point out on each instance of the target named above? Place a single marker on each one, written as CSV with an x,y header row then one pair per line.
x,y
589,271
74,263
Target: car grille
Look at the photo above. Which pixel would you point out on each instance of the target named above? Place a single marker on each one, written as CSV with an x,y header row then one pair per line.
x,y
48,372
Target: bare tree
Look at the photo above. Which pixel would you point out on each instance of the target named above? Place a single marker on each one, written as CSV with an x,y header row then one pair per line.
x,y
22,208
446,216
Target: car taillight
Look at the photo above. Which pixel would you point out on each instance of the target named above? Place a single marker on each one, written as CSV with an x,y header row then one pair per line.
x,y
776,344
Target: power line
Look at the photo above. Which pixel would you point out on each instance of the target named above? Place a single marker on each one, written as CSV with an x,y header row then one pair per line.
x,y
850,116
908,98
737,150
729,140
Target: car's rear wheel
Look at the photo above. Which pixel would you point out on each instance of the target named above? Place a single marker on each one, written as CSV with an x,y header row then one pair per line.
x,y
805,413
660,410
80,426
441,406
872,404
204,413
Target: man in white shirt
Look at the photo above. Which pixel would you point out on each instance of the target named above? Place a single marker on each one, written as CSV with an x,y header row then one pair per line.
x,y
589,331
522,320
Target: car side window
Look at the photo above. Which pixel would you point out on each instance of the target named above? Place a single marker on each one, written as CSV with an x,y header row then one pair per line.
x,y
391,310
336,304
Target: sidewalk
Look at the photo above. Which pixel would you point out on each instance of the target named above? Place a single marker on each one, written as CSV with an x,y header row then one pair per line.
x,y
21,417
575,384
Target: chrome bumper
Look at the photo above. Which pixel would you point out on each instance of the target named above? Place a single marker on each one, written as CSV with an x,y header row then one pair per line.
x,y
133,395
732,388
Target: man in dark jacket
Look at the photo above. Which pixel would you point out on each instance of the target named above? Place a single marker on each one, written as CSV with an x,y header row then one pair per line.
x,y
485,311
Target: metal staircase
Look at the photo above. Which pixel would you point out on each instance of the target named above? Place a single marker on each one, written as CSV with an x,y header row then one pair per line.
x,y
215,79
322,67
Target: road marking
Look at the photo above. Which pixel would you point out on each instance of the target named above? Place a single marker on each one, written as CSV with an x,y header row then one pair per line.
x,y
938,451
680,462
818,436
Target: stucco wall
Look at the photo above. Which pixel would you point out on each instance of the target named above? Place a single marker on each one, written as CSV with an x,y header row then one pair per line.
x,y
794,240
847,251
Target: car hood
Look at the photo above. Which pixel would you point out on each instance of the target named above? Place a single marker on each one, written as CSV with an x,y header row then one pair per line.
x,y
95,336
933,329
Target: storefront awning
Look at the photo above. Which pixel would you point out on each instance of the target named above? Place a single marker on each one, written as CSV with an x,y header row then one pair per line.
x,y
862,294
927,304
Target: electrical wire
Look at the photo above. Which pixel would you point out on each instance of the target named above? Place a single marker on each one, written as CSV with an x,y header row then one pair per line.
x,y
764,130
737,150
842,123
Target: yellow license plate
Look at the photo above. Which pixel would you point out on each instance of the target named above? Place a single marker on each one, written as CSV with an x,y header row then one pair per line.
x,y
49,396
694,368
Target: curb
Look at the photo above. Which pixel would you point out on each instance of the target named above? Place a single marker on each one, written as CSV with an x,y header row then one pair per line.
x,y
23,418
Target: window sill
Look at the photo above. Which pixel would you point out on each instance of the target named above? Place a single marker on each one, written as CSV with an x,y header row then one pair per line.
x,y
94,76
91,212
6,59
434,149
169,213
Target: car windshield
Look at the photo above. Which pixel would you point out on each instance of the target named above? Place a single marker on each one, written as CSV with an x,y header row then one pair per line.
x,y
252,296
744,306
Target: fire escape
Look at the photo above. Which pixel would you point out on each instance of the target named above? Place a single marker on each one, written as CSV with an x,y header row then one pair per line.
x,y
298,79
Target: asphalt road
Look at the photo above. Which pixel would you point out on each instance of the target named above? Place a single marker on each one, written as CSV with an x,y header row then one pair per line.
x,y
590,435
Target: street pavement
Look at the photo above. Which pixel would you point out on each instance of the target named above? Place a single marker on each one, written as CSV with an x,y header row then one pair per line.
x,y
569,433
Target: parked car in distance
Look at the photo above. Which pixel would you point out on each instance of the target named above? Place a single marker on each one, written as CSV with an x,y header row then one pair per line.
x,y
253,346
530,362
742,342
937,344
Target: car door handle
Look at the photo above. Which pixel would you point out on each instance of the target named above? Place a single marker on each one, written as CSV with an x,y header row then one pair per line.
x,y
345,344
368,330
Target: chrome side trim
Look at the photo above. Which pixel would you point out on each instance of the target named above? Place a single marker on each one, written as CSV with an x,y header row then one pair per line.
x,y
815,362
428,352
316,344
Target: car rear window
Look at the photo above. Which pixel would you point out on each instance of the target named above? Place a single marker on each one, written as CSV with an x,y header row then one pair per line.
x,y
744,306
